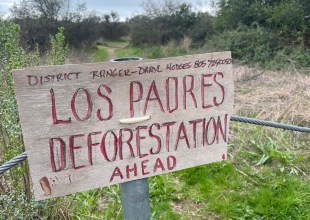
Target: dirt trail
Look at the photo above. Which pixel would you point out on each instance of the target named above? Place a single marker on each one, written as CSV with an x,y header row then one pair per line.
x,y
111,48
111,53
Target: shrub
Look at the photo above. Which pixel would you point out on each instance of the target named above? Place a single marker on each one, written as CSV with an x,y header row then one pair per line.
x,y
159,26
15,184
59,50
11,57
259,45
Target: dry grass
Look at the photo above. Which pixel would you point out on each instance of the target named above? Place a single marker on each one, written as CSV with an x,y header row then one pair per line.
x,y
277,96
183,47
78,56
186,43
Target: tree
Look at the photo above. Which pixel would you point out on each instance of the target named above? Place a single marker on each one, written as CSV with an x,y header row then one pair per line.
x,y
111,27
59,49
17,187
290,18
160,8
145,30
287,17
203,28
231,13
39,19
48,9
170,20
22,10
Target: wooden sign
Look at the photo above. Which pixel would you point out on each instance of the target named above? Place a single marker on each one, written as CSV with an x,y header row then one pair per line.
x,y
91,125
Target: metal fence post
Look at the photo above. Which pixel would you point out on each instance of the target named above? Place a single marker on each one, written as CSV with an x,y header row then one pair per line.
x,y
135,194
135,200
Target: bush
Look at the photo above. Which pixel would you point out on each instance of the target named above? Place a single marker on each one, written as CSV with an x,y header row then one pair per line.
x,y
59,50
163,27
11,57
16,194
259,45
145,30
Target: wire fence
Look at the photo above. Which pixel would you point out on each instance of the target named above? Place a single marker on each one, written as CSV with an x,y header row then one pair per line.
x,y
18,159
269,124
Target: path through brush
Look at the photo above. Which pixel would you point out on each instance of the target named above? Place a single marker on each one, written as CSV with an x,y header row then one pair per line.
x,y
111,47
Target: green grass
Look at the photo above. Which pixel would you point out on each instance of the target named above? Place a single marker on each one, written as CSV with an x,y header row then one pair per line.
x,y
103,203
236,194
99,54
129,51
243,187
111,43
153,52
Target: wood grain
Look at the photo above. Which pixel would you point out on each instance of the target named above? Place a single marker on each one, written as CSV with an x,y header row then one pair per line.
x,y
70,119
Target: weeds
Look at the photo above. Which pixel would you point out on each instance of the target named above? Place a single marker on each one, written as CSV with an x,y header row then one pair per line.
x,y
101,203
100,54
15,195
256,45
59,49
268,152
129,51
171,49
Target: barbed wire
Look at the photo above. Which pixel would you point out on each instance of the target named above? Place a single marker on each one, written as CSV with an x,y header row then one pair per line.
x,y
16,160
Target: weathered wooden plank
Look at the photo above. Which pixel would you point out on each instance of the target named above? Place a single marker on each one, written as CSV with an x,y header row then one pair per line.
x,y
91,125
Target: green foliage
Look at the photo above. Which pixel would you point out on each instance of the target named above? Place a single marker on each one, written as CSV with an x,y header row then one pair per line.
x,y
273,34
162,191
156,52
269,151
33,58
15,195
171,21
242,194
129,51
276,148
59,50
232,13
15,206
145,30
179,24
101,203
111,27
39,19
288,18
284,15
258,45
11,57
172,48
202,29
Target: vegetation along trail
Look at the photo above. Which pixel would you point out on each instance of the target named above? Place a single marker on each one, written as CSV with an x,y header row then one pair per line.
x,y
111,48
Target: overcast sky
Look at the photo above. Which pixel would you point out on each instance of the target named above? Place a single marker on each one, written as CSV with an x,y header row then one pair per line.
x,y
125,8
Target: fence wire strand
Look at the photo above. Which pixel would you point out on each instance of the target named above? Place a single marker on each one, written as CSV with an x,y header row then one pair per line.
x,y
269,124
16,160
